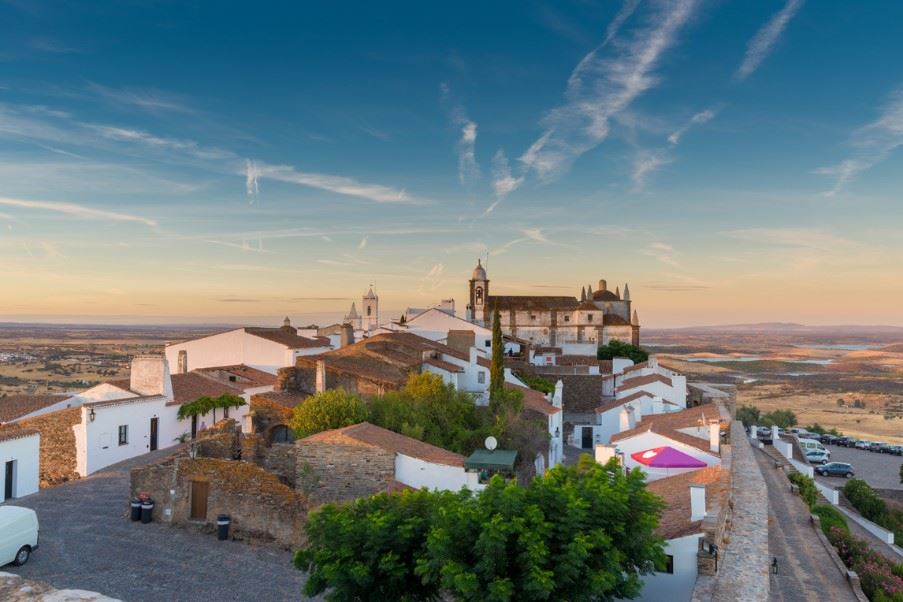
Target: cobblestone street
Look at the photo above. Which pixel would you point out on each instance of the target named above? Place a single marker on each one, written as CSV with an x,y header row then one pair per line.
x,y
805,571
87,542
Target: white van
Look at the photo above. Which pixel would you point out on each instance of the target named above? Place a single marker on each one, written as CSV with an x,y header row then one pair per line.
x,y
18,534
811,445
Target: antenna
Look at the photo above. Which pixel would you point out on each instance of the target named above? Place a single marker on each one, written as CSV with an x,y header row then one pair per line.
x,y
491,443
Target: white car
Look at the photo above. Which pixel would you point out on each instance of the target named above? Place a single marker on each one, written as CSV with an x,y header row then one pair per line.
x,y
18,534
818,457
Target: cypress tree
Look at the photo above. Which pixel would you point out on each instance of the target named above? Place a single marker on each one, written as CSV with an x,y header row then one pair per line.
x,y
497,371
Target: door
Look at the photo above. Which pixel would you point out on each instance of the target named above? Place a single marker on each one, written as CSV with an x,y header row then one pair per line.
x,y
199,491
587,436
194,427
153,435
10,474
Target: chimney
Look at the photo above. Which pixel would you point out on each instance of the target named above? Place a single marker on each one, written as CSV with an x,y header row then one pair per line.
x,y
346,335
321,376
461,340
658,405
624,421
558,396
697,502
183,362
150,376
604,453
715,436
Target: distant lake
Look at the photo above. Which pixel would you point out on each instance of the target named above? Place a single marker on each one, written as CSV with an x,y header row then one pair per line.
x,y
756,358
841,347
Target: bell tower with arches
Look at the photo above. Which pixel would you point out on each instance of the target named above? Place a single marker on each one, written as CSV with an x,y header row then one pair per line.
x,y
479,295
370,311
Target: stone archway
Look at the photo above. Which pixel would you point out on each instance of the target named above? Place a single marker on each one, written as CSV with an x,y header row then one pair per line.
x,y
280,433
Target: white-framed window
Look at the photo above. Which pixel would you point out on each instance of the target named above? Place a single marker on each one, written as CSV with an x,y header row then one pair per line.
x,y
481,377
123,434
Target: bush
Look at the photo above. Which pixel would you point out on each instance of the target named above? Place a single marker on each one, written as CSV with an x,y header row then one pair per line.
x,y
748,415
781,418
807,488
831,518
865,500
538,383
328,410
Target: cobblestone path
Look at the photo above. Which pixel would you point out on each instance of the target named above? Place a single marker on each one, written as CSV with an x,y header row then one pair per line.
x,y
805,571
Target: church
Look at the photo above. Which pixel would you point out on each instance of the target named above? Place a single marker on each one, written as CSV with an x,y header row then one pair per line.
x,y
575,325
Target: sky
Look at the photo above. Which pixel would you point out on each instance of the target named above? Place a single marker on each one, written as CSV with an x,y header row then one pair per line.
x,y
166,162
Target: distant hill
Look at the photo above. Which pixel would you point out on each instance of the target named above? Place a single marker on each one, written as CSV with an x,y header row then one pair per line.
x,y
786,328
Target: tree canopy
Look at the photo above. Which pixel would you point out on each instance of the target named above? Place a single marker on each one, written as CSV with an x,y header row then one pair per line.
x,y
330,409
748,415
204,405
617,348
578,533
780,418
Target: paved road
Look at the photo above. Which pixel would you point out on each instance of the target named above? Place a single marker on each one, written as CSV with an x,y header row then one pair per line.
x,y
805,571
878,470
87,542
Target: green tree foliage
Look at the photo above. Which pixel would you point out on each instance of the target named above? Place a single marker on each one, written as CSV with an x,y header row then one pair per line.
x,y
205,405
806,487
330,409
578,533
865,500
830,518
748,415
617,348
432,411
537,383
816,428
497,369
784,419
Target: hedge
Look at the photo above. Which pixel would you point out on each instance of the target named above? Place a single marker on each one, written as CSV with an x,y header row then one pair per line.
x,y
830,517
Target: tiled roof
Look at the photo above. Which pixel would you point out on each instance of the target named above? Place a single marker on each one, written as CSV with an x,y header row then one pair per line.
x,y
375,436
675,491
614,320
286,336
385,358
447,366
527,302
534,400
668,425
13,407
614,403
642,365
286,399
124,400
9,432
239,375
188,387
639,381
605,295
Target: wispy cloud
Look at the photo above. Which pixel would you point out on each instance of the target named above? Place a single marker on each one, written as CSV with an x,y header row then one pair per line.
x,y
697,119
151,101
244,245
337,184
663,252
872,143
765,39
147,139
644,163
468,170
601,87
503,183
627,9
75,210
251,174
535,234
363,242
808,238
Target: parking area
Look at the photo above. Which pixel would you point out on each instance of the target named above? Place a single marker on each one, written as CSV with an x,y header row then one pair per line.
x,y
87,542
881,471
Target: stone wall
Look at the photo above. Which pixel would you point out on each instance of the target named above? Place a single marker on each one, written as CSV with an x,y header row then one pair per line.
x,y
303,377
281,459
581,393
57,448
266,414
261,508
219,441
331,471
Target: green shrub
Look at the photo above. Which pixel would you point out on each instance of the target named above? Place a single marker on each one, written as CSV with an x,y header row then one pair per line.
x,y
865,500
830,518
537,383
616,348
807,488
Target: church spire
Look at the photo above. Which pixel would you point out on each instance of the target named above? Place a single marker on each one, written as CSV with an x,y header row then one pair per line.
x,y
636,319
618,292
626,292
589,291
582,294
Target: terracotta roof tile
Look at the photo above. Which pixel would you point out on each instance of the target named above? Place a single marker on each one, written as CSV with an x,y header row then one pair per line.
x,y
639,381
668,424
675,491
286,399
616,402
375,436
9,432
286,336
534,400
191,386
239,375
13,407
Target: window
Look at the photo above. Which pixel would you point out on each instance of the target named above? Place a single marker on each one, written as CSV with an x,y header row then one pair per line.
x,y
478,296
532,316
669,564
123,434
369,309
481,377
589,317
567,318
487,343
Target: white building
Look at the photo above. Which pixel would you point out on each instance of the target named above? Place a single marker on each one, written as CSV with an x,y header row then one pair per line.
x,y
266,349
610,417
435,324
19,462
649,376
417,464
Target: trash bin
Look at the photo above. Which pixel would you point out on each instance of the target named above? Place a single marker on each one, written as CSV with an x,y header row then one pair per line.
x,y
136,509
222,526
147,511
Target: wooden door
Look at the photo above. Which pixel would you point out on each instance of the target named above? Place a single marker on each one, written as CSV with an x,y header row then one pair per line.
x,y
10,473
199,492
587,438
154,427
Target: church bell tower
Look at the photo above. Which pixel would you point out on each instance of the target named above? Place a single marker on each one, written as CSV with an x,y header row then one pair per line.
x,y
479,296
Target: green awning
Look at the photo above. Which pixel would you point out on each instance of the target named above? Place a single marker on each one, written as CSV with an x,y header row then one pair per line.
x,y
499,459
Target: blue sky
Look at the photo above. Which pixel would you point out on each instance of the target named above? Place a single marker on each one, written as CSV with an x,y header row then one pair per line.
x,y
734,161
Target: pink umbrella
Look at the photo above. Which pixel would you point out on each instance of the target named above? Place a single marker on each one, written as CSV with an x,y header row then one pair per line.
x,y
666,457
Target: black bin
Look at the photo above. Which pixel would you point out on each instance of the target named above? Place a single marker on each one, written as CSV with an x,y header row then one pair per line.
x,y
147,511
222,526
135,505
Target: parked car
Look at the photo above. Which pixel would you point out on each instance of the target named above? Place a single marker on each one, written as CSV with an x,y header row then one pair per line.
x,y
818,457
764,434
810,445
835,469
18,534
876,446
827,438
883,448
842,441
863,444
851,442
896,450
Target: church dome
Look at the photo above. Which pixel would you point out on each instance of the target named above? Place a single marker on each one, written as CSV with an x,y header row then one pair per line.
x,y
478,272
